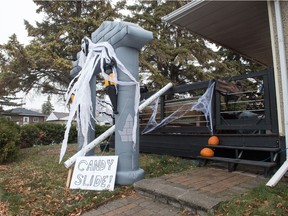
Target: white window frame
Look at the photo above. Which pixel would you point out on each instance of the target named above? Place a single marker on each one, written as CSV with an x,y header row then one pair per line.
x,y
26,120
35,119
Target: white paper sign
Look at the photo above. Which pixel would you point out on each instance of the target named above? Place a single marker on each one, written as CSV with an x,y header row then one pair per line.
x,y
94,173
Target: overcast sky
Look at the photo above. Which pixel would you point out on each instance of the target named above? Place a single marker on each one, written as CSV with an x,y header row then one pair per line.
x,y
12,15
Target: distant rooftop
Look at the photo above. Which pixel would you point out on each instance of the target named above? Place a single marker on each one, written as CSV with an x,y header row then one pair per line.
x,y
56,116
61,115
23,112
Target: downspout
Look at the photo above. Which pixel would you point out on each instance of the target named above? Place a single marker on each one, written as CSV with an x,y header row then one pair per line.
x,y
283,71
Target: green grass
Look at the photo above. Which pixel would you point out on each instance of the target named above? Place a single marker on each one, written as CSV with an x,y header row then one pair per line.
x,y
261,200
158,165
35,183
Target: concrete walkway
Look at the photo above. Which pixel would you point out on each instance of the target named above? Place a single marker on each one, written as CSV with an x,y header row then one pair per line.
x,y
193,192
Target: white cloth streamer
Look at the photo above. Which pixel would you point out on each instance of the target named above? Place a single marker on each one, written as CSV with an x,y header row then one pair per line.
x,y
82,106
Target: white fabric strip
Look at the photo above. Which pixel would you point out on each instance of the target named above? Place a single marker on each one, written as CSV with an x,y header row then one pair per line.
x,y
82,105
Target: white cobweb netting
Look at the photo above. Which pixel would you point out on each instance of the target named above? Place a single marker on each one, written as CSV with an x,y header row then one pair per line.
x,y
203,105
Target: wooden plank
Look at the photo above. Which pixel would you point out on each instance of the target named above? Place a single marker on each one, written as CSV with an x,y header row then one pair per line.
x,y
69,176
245,148
240,161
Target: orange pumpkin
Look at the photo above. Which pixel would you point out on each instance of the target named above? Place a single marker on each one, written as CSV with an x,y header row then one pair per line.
x,y
207,152
213,140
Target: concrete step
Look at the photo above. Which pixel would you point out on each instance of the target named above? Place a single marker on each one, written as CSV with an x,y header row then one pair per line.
x,y
195,202
199,190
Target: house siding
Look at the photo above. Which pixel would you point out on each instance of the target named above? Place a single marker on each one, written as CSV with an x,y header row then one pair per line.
x,y
24,116
20,119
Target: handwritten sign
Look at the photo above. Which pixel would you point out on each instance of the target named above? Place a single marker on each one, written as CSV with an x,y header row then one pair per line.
x,y
94,173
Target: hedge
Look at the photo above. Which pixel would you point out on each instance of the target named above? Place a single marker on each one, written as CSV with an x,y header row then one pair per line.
x,y
45,134
9,140
50,133
13,137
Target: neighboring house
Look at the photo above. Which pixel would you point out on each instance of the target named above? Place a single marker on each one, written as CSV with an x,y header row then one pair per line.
x,y
103,119
62,118
24,116
58,117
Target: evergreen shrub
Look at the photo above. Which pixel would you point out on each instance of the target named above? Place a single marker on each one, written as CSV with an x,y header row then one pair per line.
x,y
100,129
29,136
45,134
50,133
72,134
9,140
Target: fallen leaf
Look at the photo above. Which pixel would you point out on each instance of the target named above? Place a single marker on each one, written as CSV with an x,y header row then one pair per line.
x,y
185,212
3,168
3,209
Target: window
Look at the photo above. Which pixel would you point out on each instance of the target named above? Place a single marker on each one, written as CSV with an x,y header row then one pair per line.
x,y
25,120
35,119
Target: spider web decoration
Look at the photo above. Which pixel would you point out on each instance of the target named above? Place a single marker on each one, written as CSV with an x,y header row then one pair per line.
x,y
203,104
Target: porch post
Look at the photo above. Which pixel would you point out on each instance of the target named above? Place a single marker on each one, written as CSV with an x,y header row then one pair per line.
x,y
278,13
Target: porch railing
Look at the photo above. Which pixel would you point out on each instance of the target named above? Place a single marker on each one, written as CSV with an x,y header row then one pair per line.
x,y
250,110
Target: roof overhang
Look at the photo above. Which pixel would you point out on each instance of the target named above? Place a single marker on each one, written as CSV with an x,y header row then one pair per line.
x,y
242,26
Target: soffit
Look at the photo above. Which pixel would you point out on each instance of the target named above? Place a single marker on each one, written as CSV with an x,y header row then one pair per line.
x,y
242,26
